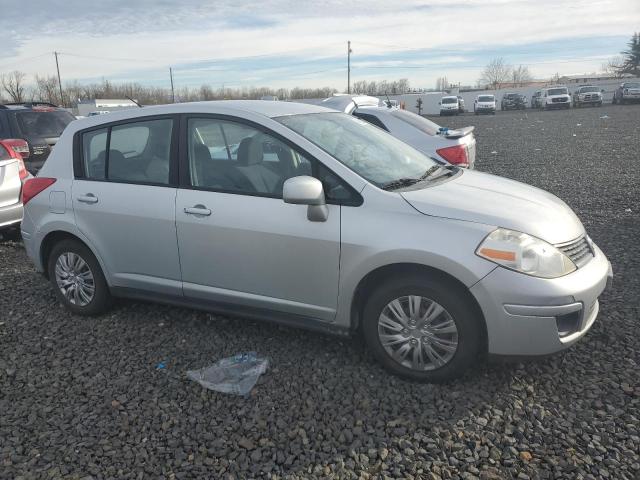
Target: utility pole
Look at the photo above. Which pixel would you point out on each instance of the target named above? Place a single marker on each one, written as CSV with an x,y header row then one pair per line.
x,y
173,93
59,81
349,66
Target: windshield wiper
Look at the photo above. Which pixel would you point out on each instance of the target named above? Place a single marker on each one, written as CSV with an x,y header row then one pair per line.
x,y
407,182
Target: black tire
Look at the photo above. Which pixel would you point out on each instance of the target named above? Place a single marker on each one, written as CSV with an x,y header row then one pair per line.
x,y
613,102
454,301
101,300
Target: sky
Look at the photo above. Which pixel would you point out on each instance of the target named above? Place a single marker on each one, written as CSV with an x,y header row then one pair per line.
x,y
288,43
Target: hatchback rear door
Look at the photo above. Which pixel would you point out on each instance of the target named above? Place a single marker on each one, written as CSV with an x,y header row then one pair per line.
x,y
10,187
124,201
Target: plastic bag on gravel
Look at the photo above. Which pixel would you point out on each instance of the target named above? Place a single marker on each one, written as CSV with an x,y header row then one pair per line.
x,y
236,375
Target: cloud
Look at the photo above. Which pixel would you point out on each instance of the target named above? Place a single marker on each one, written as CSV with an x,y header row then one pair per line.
x,y
288,41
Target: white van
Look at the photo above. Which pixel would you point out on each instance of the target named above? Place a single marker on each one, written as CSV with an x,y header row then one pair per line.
x,y
449,105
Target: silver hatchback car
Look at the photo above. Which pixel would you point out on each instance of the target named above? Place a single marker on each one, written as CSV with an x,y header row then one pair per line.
x,y
311,217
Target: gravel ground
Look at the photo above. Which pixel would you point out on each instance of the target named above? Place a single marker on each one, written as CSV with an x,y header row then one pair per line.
x,y
82,397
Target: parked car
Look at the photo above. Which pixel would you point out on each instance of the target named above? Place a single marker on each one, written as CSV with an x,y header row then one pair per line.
x,y
513,101
39,124
555,97
97,112
484,104
12,173
461,108
449,105
457,147
318,220
587,95
627,92
536,99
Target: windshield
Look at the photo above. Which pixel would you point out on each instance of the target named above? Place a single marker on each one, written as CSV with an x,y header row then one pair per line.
x,y
485,98
632,85
557,91
367,150
43,124
417,121
589,89
449,100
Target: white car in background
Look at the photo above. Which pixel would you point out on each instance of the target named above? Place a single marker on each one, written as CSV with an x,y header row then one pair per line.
x,y
555,97
484,104
457,147
450,105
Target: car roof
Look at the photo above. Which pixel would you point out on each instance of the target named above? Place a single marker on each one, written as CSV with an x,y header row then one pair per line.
x,y
36,106
225,107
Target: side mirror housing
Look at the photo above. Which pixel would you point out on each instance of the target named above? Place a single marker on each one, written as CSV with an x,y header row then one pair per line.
x,y
305,190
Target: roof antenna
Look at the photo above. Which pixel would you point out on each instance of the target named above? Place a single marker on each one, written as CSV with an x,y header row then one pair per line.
x,y
129,98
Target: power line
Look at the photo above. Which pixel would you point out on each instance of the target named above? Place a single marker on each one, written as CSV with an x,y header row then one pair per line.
x,y
25,60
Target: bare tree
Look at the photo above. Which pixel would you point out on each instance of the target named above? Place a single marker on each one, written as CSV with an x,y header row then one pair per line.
x,y
521,75
496,73
46,89
442,83
614,66
13,85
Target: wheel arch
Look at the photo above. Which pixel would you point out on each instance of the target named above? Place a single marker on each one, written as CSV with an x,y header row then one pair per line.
x,y
56,236
383,273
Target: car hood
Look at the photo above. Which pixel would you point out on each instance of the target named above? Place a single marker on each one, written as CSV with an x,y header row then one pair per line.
x,y
492,200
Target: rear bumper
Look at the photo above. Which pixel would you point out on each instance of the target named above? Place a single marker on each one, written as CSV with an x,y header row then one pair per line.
x,y
534,316
11,215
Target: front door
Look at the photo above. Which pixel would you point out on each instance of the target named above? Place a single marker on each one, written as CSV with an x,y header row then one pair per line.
x,y
239,242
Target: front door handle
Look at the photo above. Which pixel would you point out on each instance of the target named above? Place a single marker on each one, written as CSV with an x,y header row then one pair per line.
x,y
88,198
197,210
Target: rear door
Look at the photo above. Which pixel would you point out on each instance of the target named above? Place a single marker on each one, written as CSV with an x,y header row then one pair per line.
x,y
124,201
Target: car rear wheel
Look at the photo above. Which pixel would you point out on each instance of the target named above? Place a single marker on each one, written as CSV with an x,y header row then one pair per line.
x,y
422,329
77,278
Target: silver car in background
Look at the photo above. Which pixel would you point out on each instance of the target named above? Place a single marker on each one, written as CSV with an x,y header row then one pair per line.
x,y
310,217
454,146
12,174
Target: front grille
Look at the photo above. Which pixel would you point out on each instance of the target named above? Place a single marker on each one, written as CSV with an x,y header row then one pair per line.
x,y
579,251
559,100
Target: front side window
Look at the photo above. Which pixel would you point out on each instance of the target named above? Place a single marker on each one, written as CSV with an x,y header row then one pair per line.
x,y
4,154
370,152
237,158
137,152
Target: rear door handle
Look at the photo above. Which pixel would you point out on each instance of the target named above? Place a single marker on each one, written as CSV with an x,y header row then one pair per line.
x,y
88,198
197,210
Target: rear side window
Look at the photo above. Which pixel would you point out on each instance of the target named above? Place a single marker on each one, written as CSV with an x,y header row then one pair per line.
x,y
137,152
43,123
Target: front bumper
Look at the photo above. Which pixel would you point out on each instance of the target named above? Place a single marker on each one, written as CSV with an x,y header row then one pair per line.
x,y
11,215
526,315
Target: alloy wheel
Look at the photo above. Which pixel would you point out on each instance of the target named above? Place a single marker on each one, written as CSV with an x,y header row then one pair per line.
x,y
418,333
75,279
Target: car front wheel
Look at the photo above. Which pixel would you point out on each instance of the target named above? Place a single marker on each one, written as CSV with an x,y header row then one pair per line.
x,y
77,278
422,329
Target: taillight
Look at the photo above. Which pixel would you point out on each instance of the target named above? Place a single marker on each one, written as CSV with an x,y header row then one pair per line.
x,y
34,186
22,170
456,155
19,146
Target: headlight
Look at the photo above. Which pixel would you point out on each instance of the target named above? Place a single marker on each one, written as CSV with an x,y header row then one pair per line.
x,y
524,253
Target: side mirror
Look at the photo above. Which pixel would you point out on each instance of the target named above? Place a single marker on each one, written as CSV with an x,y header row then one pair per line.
x,y
305,190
